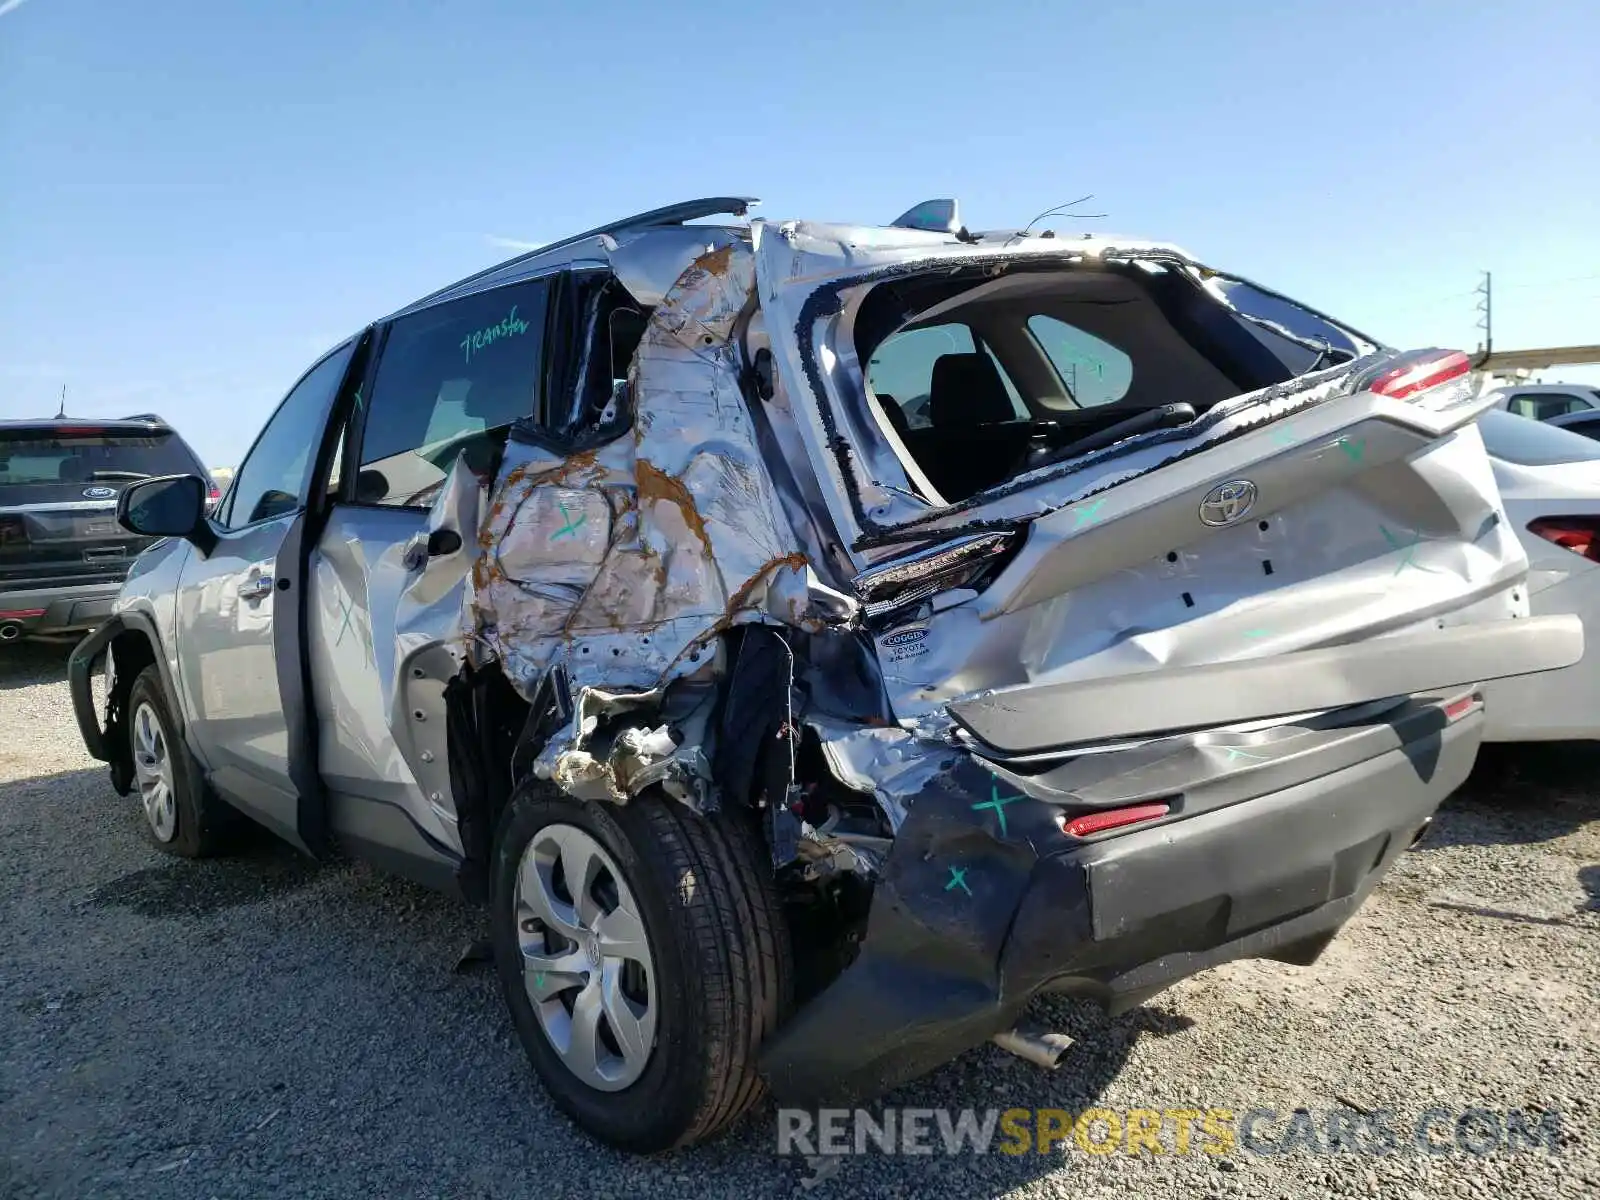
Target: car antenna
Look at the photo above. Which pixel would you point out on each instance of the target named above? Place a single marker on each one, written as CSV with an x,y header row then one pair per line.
x,y
62,411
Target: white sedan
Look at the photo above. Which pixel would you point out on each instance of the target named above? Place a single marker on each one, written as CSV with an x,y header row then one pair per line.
x,y
1550,481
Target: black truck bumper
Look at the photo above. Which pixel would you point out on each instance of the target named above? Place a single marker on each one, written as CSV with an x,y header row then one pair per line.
x,y
59,611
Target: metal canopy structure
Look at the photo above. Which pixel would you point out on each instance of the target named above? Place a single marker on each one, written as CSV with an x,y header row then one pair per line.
x,y
1536,360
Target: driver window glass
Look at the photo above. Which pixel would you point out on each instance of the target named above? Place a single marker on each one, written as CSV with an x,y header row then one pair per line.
x,y
451,380
274,477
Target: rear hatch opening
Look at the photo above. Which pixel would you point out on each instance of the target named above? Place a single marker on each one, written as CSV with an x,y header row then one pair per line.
x,y
976,379
1066,465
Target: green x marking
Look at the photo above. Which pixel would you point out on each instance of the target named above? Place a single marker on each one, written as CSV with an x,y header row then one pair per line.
x,y
1353,450
1284,436
997,802
1408,552
1235,753
347,610
538,979
958,878
1257,633
1084,514
571,527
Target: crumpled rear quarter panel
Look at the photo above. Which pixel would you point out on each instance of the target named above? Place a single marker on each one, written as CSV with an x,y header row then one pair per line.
x,y
623,563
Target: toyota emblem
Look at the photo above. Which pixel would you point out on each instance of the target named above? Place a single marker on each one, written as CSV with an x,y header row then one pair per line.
x,y
1228,502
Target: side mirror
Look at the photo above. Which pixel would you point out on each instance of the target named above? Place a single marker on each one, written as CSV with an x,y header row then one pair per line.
x,y
170,506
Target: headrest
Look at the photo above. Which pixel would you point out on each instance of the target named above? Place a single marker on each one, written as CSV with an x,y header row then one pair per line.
x,y
967,390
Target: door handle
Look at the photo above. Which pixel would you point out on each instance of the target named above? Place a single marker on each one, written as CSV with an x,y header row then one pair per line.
x,y
259,587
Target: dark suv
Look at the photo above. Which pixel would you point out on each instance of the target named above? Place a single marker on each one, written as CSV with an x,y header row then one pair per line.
x,y
62,554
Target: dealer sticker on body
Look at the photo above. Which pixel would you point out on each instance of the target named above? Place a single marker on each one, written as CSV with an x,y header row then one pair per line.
x,y
903,644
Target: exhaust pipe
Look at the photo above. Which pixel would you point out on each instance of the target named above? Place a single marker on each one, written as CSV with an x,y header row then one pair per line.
x,y
10,632
1039,1047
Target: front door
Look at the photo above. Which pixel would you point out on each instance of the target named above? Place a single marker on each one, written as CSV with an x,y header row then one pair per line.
x,y
238,618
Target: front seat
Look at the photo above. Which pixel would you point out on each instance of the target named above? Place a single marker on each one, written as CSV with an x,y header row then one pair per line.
x,y
977,439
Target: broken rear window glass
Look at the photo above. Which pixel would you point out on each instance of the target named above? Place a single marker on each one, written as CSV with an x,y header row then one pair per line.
x,y
1301,339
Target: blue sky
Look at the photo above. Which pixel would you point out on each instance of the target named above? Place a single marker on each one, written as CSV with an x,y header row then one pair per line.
x,y
196,198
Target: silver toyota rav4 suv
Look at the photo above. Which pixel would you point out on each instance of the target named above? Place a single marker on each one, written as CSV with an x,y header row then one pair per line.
x,y
812,642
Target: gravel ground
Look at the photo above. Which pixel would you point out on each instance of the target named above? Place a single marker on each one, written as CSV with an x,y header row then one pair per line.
x,y
255,1026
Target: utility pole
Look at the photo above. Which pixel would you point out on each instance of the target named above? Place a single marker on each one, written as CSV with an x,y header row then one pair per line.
x,y
1485,294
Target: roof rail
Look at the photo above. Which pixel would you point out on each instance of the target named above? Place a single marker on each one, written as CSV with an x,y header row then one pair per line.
x,y
673,214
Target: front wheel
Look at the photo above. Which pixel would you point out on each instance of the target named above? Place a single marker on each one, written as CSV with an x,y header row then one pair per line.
x,y
643,956
181,816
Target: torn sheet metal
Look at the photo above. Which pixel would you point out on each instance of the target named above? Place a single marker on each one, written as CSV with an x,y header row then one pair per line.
x,y
622,564
890,763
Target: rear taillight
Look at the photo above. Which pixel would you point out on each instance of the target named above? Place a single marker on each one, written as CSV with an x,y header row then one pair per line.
x,y
1420,372
1113,818
910,581
1581,535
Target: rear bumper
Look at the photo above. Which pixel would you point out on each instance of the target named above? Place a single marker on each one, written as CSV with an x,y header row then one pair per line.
x,y
971,920
1039,717
61,610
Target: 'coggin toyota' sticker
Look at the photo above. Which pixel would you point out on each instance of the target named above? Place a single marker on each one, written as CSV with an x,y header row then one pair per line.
x,y
907,643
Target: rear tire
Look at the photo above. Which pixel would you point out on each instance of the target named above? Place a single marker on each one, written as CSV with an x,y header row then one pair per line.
x,y
180,815
717,960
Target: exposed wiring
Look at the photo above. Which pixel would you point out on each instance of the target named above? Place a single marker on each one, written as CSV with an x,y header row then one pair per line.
x,y
1060,210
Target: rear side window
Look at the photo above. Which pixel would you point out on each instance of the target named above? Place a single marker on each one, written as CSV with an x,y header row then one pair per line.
x,y
450,380
1541,406
1532,443
33,458
1092,369
900,371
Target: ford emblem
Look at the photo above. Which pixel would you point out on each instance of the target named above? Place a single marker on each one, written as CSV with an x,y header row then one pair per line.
x,y
99,493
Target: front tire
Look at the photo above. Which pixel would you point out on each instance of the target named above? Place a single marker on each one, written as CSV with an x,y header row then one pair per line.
x,y
180,815
643,956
